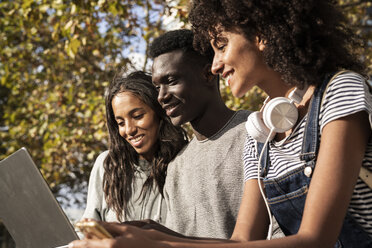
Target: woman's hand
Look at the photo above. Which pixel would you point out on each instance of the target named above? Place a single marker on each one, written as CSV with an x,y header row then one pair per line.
x,y
124,236
104,243
150,224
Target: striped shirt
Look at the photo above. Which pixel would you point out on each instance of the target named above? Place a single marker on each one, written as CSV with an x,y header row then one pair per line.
x,y
347,94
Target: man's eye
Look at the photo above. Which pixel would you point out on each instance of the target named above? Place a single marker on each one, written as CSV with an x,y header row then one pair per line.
x,y
172,82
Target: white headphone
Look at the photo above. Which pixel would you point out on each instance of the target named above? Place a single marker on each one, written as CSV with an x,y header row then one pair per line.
x,y
278,116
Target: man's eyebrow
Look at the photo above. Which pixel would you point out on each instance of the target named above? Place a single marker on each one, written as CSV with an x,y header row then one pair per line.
x,y
165,78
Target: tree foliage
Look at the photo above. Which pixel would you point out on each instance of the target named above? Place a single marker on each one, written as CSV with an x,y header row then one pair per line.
x,y
359,13
57,57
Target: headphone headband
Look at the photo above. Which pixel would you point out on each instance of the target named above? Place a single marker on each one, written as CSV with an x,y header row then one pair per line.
x,y
297,94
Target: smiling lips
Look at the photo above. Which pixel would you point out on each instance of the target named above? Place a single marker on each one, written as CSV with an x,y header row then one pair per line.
x,y
228,80
169,109
136,140
227,77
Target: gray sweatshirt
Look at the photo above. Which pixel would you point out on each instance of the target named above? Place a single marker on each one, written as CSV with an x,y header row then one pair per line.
x,y
204,183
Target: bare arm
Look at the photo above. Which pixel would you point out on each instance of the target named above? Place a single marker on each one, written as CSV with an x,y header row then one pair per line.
x,y
342,149
252,222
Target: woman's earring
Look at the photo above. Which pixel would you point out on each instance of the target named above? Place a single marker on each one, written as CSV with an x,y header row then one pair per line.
x,y
260,43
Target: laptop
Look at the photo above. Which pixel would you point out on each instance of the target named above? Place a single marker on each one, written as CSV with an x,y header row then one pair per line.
x,y
28,208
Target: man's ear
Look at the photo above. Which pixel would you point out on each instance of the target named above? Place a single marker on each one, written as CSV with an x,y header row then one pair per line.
x,y
260,43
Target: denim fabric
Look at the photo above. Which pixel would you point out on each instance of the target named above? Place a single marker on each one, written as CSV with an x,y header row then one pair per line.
x,y
286,195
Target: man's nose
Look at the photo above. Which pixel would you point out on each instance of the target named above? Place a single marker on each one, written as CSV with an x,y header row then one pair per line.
x,y
164,95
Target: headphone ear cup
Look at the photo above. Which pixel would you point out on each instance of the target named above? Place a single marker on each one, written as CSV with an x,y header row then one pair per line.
x,y
256,127
280,114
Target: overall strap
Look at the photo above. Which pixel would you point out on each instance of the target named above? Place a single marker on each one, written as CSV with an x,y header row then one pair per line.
x,y
310,144
265,161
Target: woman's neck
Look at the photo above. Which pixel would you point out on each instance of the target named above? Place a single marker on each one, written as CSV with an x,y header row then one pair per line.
x,y
273,85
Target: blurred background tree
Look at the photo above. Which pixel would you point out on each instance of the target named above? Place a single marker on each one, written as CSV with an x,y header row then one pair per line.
x,y
359,13
58,56
56,59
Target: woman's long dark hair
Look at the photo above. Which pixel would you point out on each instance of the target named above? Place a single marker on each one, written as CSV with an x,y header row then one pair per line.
x,y
120,162
305,39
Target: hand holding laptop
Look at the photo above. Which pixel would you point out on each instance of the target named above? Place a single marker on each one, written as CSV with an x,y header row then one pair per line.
x,y
92,229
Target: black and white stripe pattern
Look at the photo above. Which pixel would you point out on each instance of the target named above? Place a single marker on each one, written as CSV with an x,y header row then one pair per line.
x,y
345,95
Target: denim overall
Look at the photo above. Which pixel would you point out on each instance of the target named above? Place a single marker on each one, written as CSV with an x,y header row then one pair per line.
x,y
286,195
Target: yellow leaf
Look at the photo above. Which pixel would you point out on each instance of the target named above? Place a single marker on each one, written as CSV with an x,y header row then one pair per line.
x,y
68,24
101,2
33,30
25,13
90,156
84,41
75,44
70,53
29,46
96,53
43,8
73,9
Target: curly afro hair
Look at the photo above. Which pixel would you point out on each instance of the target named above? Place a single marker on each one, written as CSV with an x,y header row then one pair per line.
x,y
175,40
305,39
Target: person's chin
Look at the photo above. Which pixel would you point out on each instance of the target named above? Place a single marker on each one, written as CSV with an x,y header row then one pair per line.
x,y
177,120
238,92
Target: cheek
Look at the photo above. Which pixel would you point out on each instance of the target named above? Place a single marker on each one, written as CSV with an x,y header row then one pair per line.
x,y
151,124
180,88
121,132
233,55
155,128
152,137
173,91
155,134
